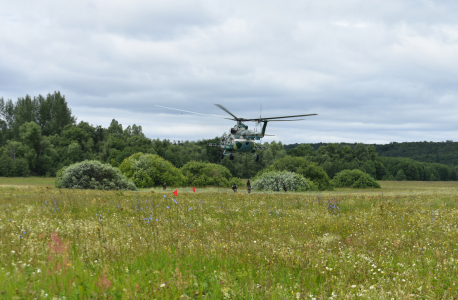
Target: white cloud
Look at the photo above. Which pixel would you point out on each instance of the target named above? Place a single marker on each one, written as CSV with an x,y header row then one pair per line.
x,y
373,70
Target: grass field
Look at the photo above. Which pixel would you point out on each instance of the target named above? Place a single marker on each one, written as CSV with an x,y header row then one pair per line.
x,y
398,242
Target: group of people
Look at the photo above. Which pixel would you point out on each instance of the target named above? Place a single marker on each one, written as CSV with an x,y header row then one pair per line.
x,y
234,187
248,187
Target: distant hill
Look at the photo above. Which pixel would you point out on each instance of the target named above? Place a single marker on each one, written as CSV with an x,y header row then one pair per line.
x,y
431,152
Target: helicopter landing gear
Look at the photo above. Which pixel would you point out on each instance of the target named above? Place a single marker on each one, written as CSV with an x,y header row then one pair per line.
x,y
257,157
231,157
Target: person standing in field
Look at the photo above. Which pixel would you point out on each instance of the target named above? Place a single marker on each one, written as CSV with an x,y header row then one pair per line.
x,y
234,188
164,186
248,186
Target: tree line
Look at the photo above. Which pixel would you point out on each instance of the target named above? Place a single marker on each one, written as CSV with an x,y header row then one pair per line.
x,y
39,136
432,152
334,158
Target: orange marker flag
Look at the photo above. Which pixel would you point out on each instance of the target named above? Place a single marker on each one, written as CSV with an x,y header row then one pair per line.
x,y
194,189
175,192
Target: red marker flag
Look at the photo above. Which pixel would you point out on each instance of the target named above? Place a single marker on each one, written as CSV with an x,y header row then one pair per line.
x,y
194,189
175,192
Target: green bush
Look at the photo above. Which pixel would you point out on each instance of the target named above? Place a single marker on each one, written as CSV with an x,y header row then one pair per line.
x,y
300,165
207,174
148,170
275,180
92,174
355,179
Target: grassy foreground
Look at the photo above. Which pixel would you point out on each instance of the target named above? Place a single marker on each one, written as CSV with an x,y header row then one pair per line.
x,y
399,242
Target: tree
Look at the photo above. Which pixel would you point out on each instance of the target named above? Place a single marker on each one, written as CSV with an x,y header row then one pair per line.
x,y
30,134
301,150
361,152
380,170
115,129
208,174
6,165
355,179
20,168
148,170
401,176
54,113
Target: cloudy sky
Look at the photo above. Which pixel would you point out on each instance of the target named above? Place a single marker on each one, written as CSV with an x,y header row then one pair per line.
x,y
374,71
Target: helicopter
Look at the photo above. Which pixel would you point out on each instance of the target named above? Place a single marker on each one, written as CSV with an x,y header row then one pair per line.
x,y
240,139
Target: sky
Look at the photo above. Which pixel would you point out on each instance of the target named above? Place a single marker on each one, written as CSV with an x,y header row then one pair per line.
x,y
374,71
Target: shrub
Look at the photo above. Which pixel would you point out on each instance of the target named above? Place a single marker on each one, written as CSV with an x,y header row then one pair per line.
x,y
300,165
275,180
91,174
148,170
355,178
207,174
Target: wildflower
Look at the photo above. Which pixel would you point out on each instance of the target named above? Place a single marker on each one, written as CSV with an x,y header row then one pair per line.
x,y
353,286
165,196
162,285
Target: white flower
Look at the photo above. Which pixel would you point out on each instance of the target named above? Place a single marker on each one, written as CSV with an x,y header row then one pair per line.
x,y
12,251
255,242
353,286
162,285
38,271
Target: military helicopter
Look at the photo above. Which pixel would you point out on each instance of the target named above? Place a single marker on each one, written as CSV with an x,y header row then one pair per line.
x,y
240,139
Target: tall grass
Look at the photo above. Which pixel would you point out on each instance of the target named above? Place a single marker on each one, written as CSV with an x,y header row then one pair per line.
x,y
124,245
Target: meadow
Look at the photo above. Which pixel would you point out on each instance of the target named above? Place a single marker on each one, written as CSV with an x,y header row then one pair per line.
x,y
398,242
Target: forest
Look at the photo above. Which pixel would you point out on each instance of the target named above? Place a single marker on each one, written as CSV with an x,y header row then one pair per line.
x,y
39,136
433,152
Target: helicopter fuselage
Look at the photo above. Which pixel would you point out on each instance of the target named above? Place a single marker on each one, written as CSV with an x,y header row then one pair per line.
x,y
241,140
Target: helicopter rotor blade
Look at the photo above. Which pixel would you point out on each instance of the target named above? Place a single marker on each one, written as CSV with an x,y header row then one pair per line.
x,y
194,112
273,118
226,110
286,120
